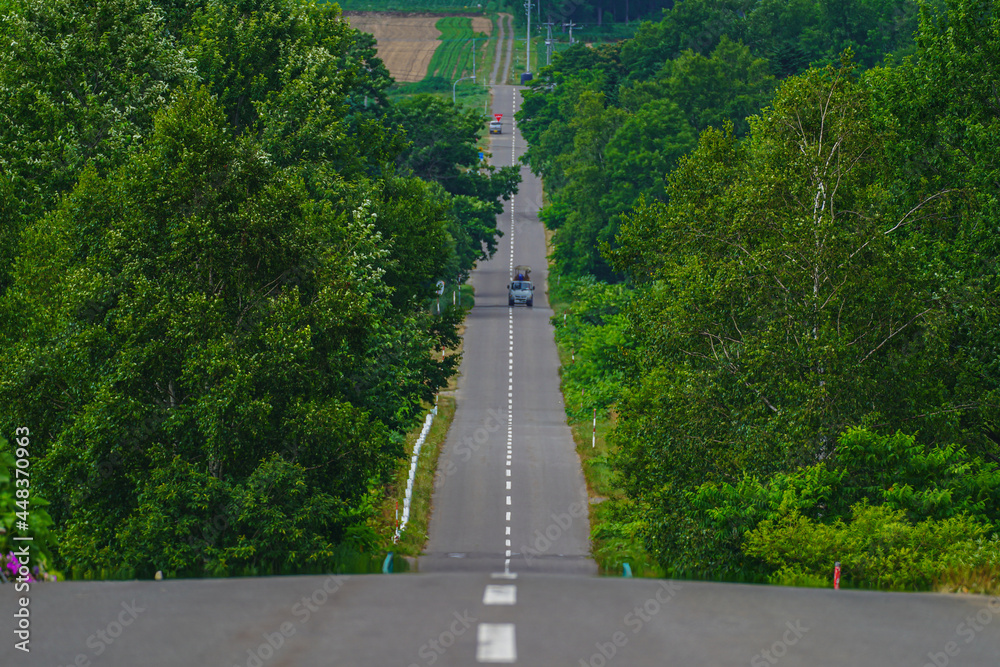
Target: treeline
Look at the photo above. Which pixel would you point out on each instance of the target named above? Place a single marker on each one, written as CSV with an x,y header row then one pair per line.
x,y
802,350
219,240
597,12
605,124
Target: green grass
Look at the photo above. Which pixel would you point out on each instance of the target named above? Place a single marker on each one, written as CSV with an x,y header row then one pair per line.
x,y
614,537
453,59
467,94
413,538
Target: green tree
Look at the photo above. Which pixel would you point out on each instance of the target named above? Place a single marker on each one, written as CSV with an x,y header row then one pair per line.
x,y
781,308
79,84
697,25
200,291
729,85
443,149
576,242
642,151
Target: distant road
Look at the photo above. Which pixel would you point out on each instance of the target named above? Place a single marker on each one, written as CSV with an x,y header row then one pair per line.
x,y
510,493
504,49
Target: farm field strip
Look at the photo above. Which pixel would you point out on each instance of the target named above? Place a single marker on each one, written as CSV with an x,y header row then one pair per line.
x,y
406,44
454,57
415,47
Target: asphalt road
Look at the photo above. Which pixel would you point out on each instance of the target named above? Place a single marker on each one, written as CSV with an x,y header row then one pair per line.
x,y
510,495
438,619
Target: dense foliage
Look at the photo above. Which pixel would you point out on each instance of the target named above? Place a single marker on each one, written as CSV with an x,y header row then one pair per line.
x,y
808,285
219,244
606,124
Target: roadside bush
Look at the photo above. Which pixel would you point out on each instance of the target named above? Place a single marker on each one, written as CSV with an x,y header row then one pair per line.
x,y
924,496
594,332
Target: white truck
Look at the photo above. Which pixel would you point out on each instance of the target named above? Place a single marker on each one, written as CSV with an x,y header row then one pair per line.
x,y
520,289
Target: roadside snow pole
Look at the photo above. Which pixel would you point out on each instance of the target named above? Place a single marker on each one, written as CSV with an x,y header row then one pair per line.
x,y
836,576
593,438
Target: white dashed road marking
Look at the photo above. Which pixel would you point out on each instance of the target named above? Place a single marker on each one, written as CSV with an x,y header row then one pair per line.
x,y
496,643
505,594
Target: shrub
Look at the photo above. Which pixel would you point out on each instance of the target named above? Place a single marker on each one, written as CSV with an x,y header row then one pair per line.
x,y
877,547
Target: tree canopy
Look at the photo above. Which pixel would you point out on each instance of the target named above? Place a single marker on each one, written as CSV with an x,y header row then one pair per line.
x,y
220,247
812,291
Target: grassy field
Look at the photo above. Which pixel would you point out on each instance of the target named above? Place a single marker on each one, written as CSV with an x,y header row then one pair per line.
x,y
453,59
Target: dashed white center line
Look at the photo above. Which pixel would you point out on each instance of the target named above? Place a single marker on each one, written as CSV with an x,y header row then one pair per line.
x,y
496,643
500,594
510,383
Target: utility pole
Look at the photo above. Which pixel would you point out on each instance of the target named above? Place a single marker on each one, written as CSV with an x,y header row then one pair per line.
x,y
527,64
548,43
570,25
455,85
473,58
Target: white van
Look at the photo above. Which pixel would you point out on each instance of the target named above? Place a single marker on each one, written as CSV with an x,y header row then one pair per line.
x,y
519,289
496,127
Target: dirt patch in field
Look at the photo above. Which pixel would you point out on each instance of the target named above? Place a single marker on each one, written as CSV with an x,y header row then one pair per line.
x,y
482,24
405,42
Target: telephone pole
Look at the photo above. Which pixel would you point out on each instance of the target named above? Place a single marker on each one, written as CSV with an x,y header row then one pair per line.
x,y
548,43
527,64
570,25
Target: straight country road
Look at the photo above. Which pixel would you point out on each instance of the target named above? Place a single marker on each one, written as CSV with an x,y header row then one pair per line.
x,y
510,494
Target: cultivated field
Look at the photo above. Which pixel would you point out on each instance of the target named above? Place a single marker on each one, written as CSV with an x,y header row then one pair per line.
x,y
406,43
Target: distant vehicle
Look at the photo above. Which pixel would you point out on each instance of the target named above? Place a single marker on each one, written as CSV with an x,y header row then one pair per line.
x,y
520,289
496,127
